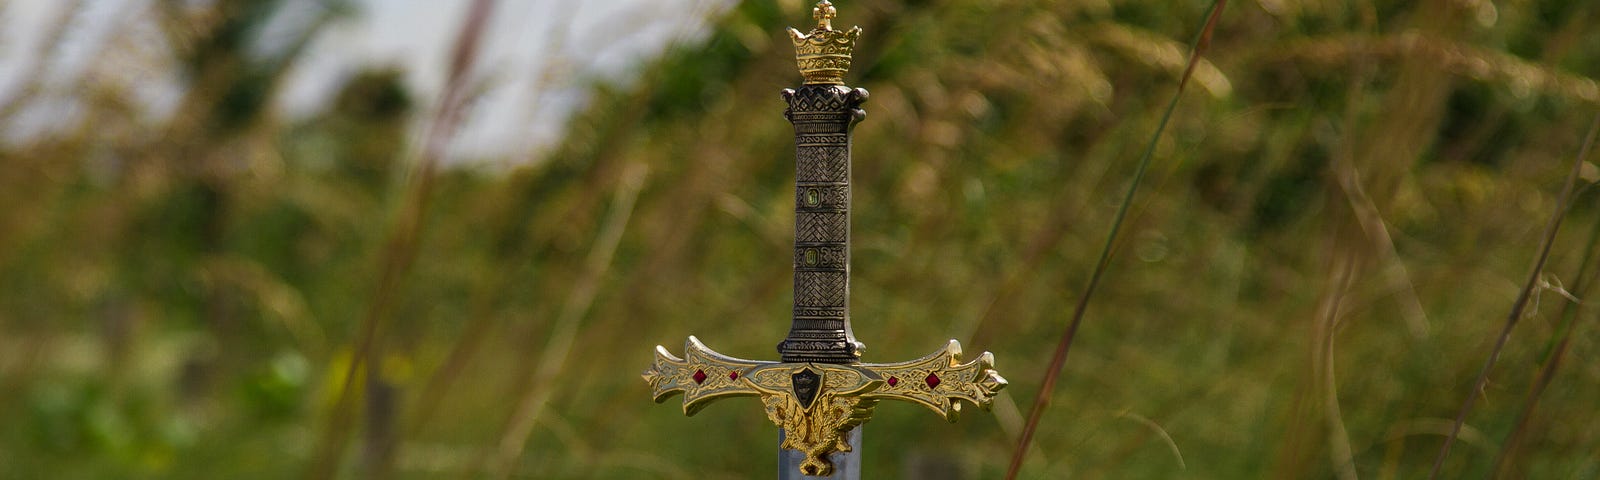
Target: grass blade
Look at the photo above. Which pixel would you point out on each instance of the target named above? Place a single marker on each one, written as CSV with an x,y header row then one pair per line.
x,y
1041,400
1521,304
536,393
400,250
1570,313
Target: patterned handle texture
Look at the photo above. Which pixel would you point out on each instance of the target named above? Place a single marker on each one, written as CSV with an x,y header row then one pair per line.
x,y
823,116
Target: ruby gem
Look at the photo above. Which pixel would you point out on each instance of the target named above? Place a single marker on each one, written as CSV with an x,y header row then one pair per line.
x,y
699,376
733,375
933,380
894,381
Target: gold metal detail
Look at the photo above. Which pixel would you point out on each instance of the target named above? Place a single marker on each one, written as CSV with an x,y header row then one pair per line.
x,y
720,376
816,404
976,381
824,53
816,426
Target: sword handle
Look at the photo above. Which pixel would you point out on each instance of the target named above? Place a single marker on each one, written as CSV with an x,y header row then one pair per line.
x,y
823,116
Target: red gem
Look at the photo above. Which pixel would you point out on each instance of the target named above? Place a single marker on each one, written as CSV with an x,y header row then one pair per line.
x,y
733,375
699,376
894,381
933,380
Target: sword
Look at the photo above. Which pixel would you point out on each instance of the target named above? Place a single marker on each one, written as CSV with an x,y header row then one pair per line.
x,y
820,392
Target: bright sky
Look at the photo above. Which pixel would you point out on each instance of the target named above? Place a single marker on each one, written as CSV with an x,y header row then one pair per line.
x,y
554,46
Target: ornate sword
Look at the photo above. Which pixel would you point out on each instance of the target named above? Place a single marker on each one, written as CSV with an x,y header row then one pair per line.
x,y
820,392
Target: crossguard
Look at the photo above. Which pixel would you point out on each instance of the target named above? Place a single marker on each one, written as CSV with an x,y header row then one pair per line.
x,y
818,403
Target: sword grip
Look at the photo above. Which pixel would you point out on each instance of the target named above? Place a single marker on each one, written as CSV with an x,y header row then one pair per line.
x,y
823,116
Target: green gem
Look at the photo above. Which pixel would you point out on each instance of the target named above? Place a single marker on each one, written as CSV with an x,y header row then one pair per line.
x,y
812,197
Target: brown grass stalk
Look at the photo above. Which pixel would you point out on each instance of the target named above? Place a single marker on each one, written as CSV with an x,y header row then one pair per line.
x,y
1041,399
482,318
558,348
1521,304
400,250
1345,267
1324,333
1588,274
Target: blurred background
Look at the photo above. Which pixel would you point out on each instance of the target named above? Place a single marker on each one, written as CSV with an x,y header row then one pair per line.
x,y
421,239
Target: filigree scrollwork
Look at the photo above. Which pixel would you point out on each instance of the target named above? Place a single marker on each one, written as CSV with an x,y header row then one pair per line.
x,y
702,376
940,381
816,404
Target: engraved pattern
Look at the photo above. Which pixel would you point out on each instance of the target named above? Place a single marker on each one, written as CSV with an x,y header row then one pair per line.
x,y
825,69
819,312
818,328
821,98
825,122
823,139
815,350
817,127
819,289
823,116
824,54
822,164
669,375
820,430
828,197
828,257
846,396
814,227
974,382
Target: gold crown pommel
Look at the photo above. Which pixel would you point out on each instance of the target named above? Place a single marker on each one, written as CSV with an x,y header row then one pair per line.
x,y
824,54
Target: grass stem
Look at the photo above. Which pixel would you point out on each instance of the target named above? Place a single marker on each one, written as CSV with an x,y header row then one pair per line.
x,y
400,250
1521,304
1588,274
1041,399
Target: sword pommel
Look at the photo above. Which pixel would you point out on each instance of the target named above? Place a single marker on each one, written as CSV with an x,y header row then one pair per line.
x,y
823,54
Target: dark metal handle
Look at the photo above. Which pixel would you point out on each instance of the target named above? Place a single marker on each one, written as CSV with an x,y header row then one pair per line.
x,y
823,116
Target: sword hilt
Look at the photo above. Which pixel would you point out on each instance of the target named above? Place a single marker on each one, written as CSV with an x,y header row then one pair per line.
x,y
823,116
820,393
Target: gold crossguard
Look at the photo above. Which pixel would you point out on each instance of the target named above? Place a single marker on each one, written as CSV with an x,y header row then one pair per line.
x,y
816,404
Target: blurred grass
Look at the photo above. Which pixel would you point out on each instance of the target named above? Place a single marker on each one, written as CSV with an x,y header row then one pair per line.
x,y
1338,226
